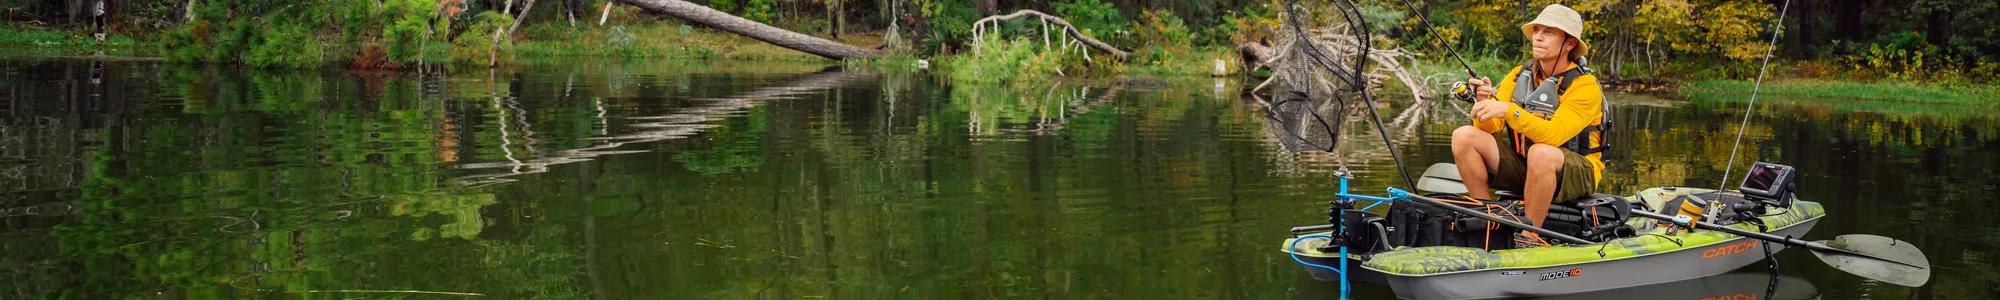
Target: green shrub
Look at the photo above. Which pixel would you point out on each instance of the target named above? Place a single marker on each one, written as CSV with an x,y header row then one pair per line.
x,y
950,25
758,10
477,42
406,24
294,34
622,43
1162,29
291,46
998,60
1240,26
1093,17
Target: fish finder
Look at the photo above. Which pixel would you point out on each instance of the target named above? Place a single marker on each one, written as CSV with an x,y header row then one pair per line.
x,y
1770,183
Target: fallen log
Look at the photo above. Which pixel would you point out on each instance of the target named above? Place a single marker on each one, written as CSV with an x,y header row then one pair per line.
x,y
711,18
979,28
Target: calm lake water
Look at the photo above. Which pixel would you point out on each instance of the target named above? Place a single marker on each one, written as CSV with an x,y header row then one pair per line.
x,y
734,181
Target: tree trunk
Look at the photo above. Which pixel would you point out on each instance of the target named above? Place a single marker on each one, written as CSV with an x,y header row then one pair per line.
x,y
525,7
606,15
839,10
978,28
704,16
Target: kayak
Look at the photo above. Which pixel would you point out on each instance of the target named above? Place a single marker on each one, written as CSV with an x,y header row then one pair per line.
x,y
1651,257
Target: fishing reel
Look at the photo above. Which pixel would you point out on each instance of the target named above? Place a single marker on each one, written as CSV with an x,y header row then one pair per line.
x,y
1462,92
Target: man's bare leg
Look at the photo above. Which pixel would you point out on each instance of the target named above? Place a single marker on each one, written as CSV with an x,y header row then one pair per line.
x,y
1476,152
1544,162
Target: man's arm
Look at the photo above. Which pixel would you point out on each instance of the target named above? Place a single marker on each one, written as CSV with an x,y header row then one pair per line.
x,y
1581,106
1502,93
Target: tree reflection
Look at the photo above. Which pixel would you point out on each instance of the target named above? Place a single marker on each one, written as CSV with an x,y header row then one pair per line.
x,y
210,183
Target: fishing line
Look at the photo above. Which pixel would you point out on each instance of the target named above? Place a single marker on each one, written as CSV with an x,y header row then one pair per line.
x,y
1440,39
1777,28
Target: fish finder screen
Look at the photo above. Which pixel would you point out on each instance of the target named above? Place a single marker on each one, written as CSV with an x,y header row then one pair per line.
x,y
1762,178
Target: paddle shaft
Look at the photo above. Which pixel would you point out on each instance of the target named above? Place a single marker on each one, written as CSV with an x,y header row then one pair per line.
x,y
1765,236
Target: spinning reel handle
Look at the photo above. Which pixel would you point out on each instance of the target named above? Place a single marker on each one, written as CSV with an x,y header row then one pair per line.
x,y
1462,92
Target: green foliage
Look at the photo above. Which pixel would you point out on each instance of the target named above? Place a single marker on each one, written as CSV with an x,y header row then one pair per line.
x,y
758,10
284,46
1968,30
950,25
1240,26
1817,90
997,60
293,34
1897,61
37,40
1092,17
1161,29
624,44
728,6
755,10
477,42
46,38
992,60
406,23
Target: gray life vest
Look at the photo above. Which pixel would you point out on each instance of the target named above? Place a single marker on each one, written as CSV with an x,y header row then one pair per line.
x,y
1545,97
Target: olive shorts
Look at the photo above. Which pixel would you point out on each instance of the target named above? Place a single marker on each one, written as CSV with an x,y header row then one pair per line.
x,y
1575,181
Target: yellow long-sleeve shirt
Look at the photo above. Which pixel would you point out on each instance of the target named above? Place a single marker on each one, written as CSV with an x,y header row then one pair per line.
x,y
1581,107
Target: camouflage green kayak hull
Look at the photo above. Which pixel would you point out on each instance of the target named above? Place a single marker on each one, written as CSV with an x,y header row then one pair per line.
x,y
1647,259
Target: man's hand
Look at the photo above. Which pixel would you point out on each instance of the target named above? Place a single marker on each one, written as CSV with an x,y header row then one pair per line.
x,y
1488,109
1482,88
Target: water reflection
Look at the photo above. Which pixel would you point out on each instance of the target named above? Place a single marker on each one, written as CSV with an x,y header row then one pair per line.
x,y
682,122
620,181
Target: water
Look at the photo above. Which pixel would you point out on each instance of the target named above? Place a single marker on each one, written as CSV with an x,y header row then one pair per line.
x,y
638,181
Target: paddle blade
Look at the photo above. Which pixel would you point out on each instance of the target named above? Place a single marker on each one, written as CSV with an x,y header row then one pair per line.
x,y
1441,178
1913,270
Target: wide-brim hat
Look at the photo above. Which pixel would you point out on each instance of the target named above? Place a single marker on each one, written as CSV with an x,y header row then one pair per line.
x,y
1561,18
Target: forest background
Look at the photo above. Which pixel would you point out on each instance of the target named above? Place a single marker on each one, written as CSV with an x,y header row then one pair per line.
x,y
1945,44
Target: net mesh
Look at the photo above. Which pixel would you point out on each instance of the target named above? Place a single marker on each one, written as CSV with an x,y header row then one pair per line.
x,y
1318,75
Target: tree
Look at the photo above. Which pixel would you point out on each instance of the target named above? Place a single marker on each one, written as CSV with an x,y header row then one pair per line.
x,y
704,16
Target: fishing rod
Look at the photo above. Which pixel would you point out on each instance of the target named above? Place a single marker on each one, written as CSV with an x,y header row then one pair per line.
x,y
1440,39
1777,28
1874,257
1458,89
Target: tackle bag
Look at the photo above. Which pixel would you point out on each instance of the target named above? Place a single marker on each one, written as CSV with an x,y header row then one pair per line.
x,y
1418,224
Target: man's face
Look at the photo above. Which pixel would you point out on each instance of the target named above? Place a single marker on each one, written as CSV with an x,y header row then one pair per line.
x,y
1549,42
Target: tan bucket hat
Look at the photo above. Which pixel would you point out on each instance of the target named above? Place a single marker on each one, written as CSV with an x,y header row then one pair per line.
x,y
1561,18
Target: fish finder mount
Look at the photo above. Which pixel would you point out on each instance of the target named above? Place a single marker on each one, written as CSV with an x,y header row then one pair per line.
x,y
1769,183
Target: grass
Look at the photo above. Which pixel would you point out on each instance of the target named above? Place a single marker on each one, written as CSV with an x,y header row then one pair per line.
x,y
1897,98
43,41
1904,92
1194,62
656,40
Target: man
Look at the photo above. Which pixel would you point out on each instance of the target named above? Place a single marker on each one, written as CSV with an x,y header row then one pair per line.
x,y
1543,139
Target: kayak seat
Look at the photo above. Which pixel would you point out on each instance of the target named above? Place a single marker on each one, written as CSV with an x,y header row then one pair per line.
x,y
1596,217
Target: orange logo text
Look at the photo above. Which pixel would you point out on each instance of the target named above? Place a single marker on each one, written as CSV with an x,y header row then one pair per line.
x,y
1727,250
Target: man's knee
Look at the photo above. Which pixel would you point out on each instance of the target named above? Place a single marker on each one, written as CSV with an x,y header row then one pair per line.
x,y
1467,136
1544,159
